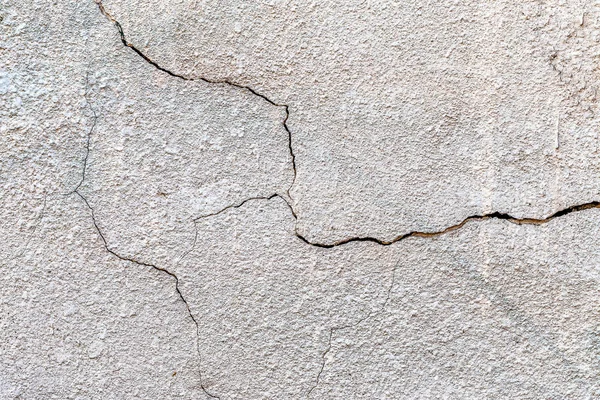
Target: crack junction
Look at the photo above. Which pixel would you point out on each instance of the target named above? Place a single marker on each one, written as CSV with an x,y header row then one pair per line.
x,y
125,258
288,200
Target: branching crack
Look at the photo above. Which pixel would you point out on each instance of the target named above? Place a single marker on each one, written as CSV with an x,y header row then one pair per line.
x,y
163,270
288,201
399,238
125,258
495,215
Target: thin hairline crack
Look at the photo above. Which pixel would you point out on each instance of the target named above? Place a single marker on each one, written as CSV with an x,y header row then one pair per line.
x,y
160,269
287,199
126,258
370,314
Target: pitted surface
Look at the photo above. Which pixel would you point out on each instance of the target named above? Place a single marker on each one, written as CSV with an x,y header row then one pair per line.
x,y
299,200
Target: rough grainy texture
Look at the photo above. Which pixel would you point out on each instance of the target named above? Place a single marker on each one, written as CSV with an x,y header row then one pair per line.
x,y
78,323
495,310
406,115
43,118
266,301
167,151
291,200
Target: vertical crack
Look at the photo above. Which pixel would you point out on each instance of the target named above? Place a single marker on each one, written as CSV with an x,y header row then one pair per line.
x,y
125,258
227,82
89,135
289,202
161,269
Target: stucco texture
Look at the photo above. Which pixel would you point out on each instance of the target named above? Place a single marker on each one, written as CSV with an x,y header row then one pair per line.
x,y
299,200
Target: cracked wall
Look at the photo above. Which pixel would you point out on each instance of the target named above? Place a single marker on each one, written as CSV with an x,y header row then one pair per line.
x,y
281,200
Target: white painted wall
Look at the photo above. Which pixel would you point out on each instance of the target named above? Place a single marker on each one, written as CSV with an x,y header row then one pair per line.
x,y
299,199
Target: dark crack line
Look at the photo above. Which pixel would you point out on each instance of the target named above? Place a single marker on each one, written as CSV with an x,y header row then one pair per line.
x,y
495,215
89,135
238,205
119,256
399,238
227,82
157,268
483,217
323,362
288,201
193,246
195,220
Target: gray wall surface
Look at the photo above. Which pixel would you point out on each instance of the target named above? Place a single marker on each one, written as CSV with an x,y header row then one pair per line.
x,y
298,199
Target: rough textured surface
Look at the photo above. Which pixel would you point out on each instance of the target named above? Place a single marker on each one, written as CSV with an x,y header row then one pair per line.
x,y
167,151
495,310
405,115
273,200
79,323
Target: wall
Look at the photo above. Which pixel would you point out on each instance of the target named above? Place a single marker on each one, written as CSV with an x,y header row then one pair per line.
x,y
296,199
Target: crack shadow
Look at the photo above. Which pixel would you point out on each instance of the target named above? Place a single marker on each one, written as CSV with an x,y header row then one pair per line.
x,y
289,201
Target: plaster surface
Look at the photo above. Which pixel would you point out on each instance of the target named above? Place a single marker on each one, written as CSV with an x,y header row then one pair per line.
x,y
281,200
405,115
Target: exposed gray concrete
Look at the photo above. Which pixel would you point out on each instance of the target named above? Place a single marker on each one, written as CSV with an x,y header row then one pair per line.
x,y
299,200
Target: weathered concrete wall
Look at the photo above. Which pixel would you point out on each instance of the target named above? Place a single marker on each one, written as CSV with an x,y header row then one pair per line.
x,y
296,199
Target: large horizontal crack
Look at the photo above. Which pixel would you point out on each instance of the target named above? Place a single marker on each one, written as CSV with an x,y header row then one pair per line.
x,y
288,202
494,215
334,330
